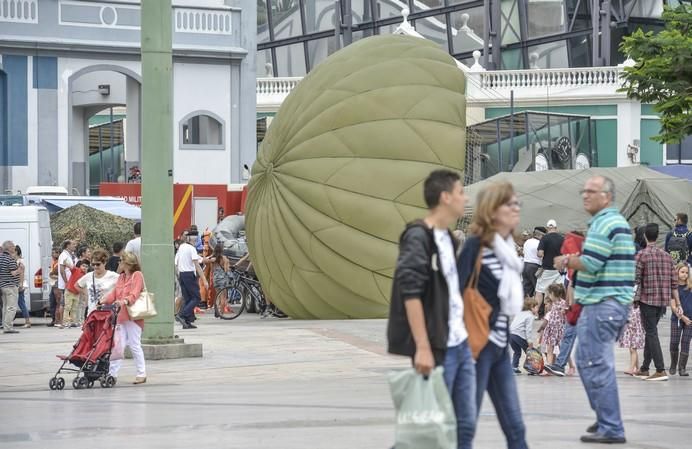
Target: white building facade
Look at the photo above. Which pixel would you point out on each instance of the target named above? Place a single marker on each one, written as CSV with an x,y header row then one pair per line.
x,y
66,65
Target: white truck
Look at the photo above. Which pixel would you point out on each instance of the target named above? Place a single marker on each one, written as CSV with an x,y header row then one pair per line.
x,y
29,227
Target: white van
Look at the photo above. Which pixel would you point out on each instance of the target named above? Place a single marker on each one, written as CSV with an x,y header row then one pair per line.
x,y
29,227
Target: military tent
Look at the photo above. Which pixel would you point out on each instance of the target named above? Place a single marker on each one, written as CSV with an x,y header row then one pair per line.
x,y
642,194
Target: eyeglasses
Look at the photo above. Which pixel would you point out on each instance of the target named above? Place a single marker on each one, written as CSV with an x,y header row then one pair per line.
x,y
514,203
592,192
96,264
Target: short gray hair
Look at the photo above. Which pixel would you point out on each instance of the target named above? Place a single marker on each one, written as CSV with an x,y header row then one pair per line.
x,y
7,244
609,187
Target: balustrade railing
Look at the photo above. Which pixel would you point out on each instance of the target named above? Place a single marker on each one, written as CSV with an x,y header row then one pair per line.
x,y
273,87
202,21
19,11
577,77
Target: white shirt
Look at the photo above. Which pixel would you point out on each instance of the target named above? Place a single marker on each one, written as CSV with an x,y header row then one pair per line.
x,y
104,285
185,258
66,260
531,251
134,246
522,325
448,265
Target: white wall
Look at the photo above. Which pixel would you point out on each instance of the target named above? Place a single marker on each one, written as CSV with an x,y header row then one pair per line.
x,y
85,89
202,87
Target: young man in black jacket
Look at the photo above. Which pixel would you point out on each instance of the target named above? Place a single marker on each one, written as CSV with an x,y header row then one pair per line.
x,y
426,311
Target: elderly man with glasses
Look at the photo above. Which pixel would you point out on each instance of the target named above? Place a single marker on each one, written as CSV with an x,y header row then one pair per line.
x,y
605,289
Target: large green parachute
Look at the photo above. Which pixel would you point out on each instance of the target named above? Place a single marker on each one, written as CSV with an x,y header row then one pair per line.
x,y
340,173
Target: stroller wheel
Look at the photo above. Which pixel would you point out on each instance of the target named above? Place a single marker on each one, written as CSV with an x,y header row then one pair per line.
x,y
76,384
102,382
90,384
60,383
110,381
53,383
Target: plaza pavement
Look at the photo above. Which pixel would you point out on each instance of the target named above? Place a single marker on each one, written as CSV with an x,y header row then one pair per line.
x,y
287,384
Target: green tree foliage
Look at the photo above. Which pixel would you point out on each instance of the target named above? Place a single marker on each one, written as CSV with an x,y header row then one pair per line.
x,y
662,74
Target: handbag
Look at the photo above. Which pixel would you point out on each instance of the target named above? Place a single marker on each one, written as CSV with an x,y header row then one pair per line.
x,y
476,312
143,308
572,314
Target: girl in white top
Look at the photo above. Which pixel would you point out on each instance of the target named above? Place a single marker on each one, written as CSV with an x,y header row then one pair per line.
x,y
99,282
23,285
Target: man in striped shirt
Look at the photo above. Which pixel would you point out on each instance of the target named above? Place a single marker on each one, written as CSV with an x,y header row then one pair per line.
x,y
605,289
9,286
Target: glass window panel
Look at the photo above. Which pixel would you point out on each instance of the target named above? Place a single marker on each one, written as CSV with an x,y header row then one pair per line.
x,y
580,51
388,29
202,130
546,17
434,28
467,31
319,15
361,11
319,49
510,22
512,59
552,55
286,18
262,23
290,60
425,5
388,8
645,8
264,64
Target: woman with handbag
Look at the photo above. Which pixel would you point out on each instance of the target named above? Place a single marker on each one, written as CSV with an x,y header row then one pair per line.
x,y
490,267
126,292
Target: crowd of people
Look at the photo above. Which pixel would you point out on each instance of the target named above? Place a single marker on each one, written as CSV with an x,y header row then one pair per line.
x,y
600,285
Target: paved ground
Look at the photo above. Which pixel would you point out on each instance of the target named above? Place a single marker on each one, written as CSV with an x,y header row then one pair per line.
x,y
286,384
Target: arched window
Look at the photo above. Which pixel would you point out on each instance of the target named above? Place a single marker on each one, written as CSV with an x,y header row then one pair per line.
x,y
202,130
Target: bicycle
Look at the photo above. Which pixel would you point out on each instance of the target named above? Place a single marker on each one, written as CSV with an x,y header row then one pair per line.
x,y
229,302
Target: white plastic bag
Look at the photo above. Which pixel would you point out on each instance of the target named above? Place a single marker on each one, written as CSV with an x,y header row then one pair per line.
x,y
424,411
118,350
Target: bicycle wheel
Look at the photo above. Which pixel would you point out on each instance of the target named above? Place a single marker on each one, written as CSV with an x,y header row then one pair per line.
x,y
229,304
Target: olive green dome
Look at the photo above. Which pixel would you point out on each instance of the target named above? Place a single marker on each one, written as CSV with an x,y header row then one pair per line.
x,y
341,169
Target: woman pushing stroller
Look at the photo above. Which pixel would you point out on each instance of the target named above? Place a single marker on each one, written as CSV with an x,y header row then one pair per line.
x,y
127,290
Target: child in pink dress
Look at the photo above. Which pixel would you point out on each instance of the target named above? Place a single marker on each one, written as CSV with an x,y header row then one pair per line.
x,y
553,326
632,337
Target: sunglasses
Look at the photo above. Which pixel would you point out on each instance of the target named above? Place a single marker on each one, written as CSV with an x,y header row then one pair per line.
x,y
96,264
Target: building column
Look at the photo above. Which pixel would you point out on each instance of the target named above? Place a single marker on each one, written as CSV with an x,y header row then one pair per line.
x,y
629,131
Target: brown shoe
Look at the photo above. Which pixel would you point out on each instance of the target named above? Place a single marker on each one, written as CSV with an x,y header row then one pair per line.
x,y
657,376
641,374
139,380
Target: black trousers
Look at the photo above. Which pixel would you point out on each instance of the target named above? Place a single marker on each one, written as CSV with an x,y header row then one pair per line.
x,y
518,345
651,315
528,278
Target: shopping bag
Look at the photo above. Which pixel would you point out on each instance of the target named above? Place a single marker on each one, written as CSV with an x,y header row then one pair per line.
x,y
118,349
424,411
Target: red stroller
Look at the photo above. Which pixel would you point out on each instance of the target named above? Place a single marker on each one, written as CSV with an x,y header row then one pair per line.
x,y
92,352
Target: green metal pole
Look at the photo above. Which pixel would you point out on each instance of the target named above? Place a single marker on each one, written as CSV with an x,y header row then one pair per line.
x,y
157,165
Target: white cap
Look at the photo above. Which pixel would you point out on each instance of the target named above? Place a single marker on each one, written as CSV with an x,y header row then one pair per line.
x,y
551,224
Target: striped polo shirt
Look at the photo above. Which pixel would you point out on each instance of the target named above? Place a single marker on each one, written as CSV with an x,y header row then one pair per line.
x,y
608,259
8,264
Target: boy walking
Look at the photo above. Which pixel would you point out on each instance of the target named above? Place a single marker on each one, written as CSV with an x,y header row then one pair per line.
x,y
426,312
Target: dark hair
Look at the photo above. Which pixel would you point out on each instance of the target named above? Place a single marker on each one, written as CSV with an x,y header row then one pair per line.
x,y
651,232
639,236
81,250
138,228
557,291
66,243
682,217
81,263
218,252
18,250
117,247
437,182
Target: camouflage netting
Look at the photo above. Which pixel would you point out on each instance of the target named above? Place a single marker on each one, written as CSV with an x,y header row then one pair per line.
x,y
341,169
85,224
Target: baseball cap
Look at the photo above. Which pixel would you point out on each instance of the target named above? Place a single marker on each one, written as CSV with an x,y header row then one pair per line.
x,y
551,224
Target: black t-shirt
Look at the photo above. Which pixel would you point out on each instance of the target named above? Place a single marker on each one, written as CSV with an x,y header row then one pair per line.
x,y
113,262
550,245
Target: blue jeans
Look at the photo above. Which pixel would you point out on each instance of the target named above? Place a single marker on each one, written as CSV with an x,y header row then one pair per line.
x,y
494,374
598,327
566,345
190,289
22,305
460,377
